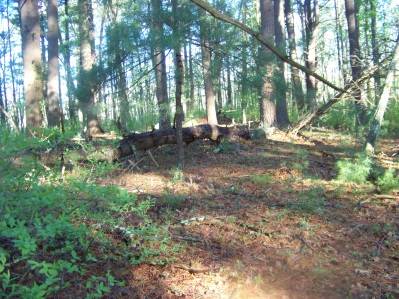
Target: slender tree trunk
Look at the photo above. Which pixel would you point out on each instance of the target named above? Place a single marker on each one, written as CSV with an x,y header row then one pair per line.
x,y
52,105
71,90
179,71
311,30
355,58
264,42
375,126
122,94
268,117
191,78
160,64
281,86
16,113
206,68
244,66
229,85
87,77
3,111
32,61
374,44
297,93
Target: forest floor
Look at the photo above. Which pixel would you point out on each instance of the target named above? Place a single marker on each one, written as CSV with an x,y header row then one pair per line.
x,y
265,219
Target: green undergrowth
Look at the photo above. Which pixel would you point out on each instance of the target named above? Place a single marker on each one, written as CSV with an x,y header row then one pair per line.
x,y
58,230
361,169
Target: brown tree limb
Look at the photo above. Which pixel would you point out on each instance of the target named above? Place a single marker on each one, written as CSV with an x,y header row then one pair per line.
x,y
134,142
314,115
10,120
263,41
148,140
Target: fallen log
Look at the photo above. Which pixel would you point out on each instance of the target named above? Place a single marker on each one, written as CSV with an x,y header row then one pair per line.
x,y
132,143
148,140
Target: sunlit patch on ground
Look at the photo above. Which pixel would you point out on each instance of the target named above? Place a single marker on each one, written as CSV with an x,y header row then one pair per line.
x,y
266,221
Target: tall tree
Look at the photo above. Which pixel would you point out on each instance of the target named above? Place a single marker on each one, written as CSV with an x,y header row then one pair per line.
x,y
32,61
281,86
375,126
3,110
374,43
297,92
159,62
340,44
311,32
355,58
179,72
66,53
207,73
52,103
245,90
87,76
17,111
268,117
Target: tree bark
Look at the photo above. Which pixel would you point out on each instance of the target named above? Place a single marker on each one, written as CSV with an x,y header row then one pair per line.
x,y
32,61
268,117
66,52
191,76
355,58
311,31
281,86
4,113
159,63
374,44
313,116
297,93
87,78
17,112
375,126
52,104
179,69
340,44
245,90
263,41
206,68
134,142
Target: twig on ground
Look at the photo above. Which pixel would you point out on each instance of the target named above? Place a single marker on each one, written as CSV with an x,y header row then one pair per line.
x,y
379,245
304,241
152,158
277,248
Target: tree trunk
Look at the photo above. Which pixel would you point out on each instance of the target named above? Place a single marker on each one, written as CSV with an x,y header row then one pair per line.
x,y
191,78
355,58
264,42
229,100
52,104
87,78
32,61
4,113
71,90
311,31
297,93
340,44
375,126
159,63
206,69
267,107
179,69
374,44
17,112
311,117
281,86
245,91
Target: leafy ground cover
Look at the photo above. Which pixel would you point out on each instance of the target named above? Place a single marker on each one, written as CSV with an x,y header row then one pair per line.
x,y
275,218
